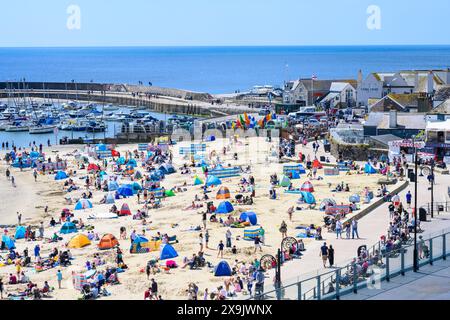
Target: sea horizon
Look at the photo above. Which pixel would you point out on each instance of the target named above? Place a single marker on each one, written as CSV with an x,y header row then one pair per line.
x,y
213,69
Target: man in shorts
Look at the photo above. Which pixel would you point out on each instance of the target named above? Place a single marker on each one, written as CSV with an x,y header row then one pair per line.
x,y
324,254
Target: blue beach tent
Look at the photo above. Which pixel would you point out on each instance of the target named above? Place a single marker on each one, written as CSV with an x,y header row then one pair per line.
x,y
225,207
20,232
9,243
368,168
113,186
167,252
60,175
213,181
222,269
249,216
68,227
125,190
308,197
83,204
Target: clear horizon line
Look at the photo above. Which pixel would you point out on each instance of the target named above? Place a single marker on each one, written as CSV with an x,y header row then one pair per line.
x,y
230,46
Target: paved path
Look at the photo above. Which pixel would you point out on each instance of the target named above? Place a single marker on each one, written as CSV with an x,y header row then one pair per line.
x,y
371,227
430,283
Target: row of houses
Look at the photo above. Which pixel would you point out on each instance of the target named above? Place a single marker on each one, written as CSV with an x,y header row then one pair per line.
x,y
404,91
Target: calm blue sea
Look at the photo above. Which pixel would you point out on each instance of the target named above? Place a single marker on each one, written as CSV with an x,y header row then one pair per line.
x,y
212,69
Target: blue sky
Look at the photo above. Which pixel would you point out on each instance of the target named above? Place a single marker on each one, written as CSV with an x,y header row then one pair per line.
x,y
223,22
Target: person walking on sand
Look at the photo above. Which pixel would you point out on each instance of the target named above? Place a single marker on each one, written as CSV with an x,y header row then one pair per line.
x,y
228,238
13,181
35,175
59,277
220,247
331,255
324,254
283,229
19,218
408,198
200,241
257,244
262,233
206,239
290,212
8,174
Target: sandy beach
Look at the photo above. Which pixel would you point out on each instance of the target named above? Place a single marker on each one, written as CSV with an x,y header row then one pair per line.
x,y
30,198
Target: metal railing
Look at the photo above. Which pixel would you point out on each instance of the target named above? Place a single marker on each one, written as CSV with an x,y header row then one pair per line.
x,y
344,280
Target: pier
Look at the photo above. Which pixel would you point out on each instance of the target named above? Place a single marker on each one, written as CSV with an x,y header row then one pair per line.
x,y
156,99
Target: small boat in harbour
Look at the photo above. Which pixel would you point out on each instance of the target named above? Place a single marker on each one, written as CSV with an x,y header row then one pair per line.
x,y
42,129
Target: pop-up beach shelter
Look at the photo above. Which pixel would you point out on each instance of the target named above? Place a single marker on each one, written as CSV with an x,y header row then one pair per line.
x,y
225,207
125,190
222,269
197,181
83,204
138,175
20,232
354,198
316,164
78,241
102,147
132,163
68,227
113,186
223,193
213,181
308,197
307,186
249,216
368,168
93,167
169,193
108,241
125,210
167,252
60,175
285,181
9,243
136,187
109,198
326,203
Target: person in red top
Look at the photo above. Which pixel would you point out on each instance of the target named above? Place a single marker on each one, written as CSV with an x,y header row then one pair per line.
x,y
148,294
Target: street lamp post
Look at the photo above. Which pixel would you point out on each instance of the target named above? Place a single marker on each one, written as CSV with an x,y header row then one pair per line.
x,y
415,266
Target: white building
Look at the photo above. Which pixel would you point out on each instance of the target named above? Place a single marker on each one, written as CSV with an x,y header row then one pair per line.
x,y
341,95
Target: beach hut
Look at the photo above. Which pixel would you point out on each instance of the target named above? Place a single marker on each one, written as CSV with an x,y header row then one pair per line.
x,y
198,181
222,269
78,241
68,227
223,193
20,232
213,181
249,216
308,197
327,202
307,186
83,204
316,164
369,169
113,186
60,175
125,190
169,193
9,243
108,241
225,207
285,181
125,210
354,198
167,252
